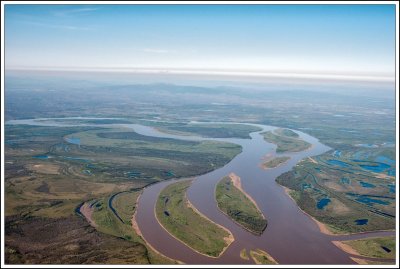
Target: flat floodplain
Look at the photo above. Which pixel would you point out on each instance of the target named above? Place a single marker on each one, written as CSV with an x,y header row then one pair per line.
x,y
345,181
231,134
251,156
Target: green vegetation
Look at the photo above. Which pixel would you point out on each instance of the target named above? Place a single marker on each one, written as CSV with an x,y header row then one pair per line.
x,y
233,202
108,222
116,221
182,221
286,141
359,123
47,178
261,257
362,261
93,121
66,240
275,162
382,247
212,130
342,194
116,151
124,204
243,254
286,132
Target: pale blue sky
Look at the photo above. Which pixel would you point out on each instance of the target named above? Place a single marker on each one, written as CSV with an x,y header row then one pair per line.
x,y
335,39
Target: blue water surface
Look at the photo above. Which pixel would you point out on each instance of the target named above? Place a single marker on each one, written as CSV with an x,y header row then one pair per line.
x,y
338,163
87,172
392,188
323,202
383,159
73,140
169,173
367,145
76,159
370,201
133,174
391,172
337,153
42,157
377,167
361,221
345,180
366,185
305,186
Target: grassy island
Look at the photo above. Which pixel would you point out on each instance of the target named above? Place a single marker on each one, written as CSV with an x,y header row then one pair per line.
x,y
238,205
286,140
275,162
259,256
178,216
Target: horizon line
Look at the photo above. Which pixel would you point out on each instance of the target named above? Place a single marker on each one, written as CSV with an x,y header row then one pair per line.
x,y
216,72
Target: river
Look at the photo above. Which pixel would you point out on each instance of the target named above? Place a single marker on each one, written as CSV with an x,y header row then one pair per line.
x,y
291,236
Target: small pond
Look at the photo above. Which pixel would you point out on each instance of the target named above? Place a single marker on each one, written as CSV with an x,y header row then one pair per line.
x,y
375,167
366,184
42,157
323,202
73,140
361,221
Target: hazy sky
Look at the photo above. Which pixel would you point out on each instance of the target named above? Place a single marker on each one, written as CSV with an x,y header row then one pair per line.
x,y
335,39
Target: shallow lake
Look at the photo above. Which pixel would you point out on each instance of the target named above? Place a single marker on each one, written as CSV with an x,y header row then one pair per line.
x,y
73,140
338,163
323,202
42,157
366,184
375,167
361,221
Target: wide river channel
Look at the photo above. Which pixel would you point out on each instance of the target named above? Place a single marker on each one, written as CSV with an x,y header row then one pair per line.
x,y
291,236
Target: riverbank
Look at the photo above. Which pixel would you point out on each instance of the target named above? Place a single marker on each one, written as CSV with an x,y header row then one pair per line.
x,y
270,163
87,211
324,227
179,218
238,184
136,228
239,206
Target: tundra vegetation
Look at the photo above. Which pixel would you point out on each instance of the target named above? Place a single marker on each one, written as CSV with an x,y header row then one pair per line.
x,y
181,220
350,188
286,140
237,205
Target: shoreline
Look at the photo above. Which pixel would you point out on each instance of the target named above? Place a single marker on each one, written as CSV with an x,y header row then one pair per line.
x,y
324,227
136,228
237,223
176,238
87,211
361,259
311,146
235,179
346,248
262,165
229,240
263,252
